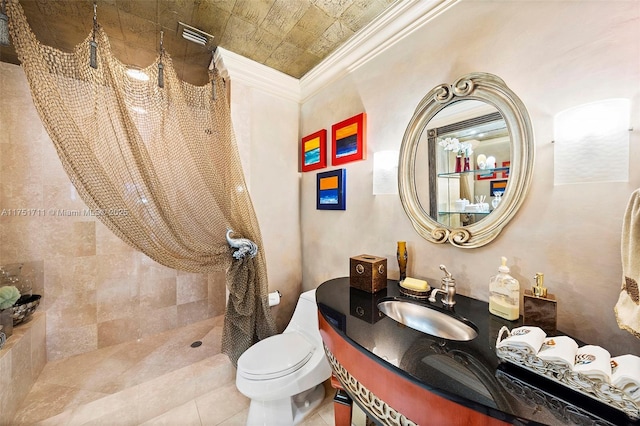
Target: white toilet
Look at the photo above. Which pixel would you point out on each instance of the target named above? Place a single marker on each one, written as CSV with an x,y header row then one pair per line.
x,y
283,374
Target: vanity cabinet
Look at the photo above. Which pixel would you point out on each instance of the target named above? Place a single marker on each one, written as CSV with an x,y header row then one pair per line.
x,y
389,396
400,376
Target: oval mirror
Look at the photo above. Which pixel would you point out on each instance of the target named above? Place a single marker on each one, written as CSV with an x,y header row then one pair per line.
x,y
466,161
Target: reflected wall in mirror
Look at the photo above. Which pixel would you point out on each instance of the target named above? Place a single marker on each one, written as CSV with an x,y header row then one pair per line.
x,y
466,161
468,145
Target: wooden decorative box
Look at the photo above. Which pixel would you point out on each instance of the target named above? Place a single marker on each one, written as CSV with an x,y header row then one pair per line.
x,y
540,311
368,273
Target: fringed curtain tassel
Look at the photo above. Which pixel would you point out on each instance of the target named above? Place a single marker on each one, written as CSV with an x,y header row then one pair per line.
x,y
4,26
160,64
93,46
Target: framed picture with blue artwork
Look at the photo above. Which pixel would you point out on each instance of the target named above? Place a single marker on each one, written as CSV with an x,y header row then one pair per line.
x,y
348,140
331,190
314,151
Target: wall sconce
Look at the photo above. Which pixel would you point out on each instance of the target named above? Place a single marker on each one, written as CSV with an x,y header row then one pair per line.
x,y
385,172
592,143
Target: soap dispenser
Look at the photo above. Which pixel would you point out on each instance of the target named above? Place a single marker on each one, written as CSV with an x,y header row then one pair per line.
x,y
504,294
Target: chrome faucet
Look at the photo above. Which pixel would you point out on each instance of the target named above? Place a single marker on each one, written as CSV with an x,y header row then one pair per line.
x,y
447,288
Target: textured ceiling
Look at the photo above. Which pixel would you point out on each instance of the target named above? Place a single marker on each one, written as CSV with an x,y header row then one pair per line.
x,y
291,36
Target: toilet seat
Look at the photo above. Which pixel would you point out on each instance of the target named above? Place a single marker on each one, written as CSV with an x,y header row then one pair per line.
x,y
275,357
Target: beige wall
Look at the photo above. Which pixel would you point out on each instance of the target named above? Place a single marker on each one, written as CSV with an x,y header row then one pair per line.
x,y
97,291
554,55
266,128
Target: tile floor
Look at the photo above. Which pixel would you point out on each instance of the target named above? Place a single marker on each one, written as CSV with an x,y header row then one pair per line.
x,y
159,380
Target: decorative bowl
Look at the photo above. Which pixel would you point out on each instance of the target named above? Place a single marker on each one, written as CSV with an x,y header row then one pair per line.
x,y
24,308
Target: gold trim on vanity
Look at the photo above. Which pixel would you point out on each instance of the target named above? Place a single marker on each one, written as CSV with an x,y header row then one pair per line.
x,y
366,399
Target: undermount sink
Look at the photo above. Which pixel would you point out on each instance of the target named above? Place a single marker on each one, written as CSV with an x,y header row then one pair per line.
x,y
429,319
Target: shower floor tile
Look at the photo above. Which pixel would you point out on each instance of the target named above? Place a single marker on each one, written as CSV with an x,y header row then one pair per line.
x,y
157,380
71,382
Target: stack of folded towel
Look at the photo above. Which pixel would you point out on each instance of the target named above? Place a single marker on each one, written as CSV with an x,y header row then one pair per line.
x,y
594,362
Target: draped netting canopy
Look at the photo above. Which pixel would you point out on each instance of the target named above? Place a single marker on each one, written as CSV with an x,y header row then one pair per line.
x,y
156,159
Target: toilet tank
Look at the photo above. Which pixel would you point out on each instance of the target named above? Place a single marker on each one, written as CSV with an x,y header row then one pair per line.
x,y
305,316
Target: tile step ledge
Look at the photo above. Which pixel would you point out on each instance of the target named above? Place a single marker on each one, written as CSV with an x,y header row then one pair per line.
x,y
143,402
22,359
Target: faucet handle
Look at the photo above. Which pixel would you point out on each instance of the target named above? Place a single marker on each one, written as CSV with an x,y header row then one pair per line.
x,y
448,287
444,268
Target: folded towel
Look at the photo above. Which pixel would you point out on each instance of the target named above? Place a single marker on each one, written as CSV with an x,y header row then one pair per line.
x,y
625,375
594,362
525,338
414,284
559,350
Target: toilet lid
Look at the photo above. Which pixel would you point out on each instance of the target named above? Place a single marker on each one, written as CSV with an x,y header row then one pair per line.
x,y
275,356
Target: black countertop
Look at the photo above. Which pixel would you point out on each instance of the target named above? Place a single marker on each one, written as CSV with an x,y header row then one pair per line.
x,y
468,373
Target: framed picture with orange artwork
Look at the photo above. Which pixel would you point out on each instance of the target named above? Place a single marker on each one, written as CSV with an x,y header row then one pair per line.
x,y
488,175
331,190
348,140
498,186
313,150
507,165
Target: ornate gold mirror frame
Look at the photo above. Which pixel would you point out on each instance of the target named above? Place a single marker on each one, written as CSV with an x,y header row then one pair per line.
x,y
492,90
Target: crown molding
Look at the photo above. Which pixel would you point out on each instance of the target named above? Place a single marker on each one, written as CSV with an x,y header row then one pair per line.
x,y
395,23
256,75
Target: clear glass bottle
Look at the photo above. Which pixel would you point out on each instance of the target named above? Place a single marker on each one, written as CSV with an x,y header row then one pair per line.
x,y
504,294
497,199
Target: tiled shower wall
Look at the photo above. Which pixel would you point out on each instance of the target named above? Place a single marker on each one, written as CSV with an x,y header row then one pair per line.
x,y
97,291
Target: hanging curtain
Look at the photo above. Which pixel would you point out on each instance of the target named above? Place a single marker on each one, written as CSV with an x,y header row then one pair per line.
x,y
159,165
